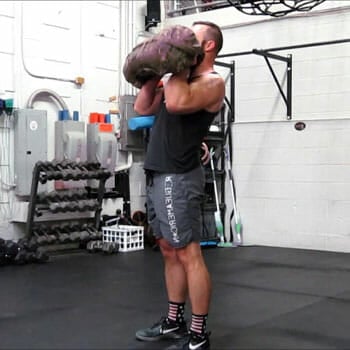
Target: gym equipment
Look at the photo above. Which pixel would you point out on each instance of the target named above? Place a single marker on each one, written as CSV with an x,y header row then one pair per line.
x,y
104,247
235,213
64,200
110,248
170,51
217,214
20,253
274,8
141,122
94,246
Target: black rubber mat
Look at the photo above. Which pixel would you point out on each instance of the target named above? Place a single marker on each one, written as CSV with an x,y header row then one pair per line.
x,y
263,298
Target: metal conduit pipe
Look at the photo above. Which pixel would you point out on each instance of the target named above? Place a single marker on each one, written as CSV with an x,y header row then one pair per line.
x,y
46,92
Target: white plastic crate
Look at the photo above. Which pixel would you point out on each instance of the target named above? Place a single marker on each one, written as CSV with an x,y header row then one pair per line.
x,y
129,238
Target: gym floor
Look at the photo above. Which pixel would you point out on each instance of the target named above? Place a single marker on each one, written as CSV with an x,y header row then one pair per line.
x,y
263,298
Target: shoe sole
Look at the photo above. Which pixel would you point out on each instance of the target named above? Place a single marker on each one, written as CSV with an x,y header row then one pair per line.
x,y
160,337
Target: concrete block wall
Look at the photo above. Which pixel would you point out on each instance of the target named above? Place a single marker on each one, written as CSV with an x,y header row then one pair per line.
x,y
292,186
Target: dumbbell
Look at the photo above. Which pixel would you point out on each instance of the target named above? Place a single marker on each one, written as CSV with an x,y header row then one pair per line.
x,y
42,236
61,233
3,256
28,244
84,235
94,246
82,173
110,247
27,257
46,198
10,250
57,207
22,257
66,169
87,205
46,231
49,172
73,231
76,195
63,169
41,257
94,233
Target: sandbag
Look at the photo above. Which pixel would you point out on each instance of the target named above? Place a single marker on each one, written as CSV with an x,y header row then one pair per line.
x,y
170,51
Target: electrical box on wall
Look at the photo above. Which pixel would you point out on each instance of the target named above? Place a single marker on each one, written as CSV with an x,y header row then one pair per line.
x,y
130,140
30,140
70,141
102,148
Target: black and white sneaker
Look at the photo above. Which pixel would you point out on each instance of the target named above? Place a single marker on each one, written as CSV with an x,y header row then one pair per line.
x,y
193,341
163,329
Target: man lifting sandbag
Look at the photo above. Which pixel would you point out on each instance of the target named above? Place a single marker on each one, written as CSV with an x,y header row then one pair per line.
x,y
184,109
171,51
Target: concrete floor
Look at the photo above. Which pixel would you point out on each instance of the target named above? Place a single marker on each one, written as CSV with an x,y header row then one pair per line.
x,y
263,298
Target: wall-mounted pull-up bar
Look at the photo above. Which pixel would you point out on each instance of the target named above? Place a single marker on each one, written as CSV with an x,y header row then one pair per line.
x,y
266,53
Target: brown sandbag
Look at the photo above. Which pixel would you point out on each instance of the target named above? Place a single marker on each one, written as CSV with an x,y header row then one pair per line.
x,y
170,51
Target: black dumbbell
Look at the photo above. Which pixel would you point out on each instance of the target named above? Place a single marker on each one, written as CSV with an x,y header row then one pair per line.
x,y
46,231
110,247
94,246
22,257
62,233
11,249
94,233
41,257
82,173
66,169
3,256
53,171
84,235
93,165
74,232
40,237
28,244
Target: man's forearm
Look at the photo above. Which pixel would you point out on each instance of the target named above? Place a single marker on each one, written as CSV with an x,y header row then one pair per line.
x,y
147,97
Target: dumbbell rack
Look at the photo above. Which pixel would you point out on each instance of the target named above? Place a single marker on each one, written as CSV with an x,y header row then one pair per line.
x,y
43,224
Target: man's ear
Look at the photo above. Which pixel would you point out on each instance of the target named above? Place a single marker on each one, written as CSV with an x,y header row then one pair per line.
x,y
210,45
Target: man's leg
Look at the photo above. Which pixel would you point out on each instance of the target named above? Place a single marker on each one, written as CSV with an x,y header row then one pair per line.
x,y
174,325
175,275
198,279
199,285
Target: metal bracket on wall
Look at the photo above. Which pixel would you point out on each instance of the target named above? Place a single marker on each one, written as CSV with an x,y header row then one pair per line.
x,y
266,53
286,97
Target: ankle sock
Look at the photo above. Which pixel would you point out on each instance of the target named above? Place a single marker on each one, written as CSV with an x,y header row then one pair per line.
x,y
199,324
176,312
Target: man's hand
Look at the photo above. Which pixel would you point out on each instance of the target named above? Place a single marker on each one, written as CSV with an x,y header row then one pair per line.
x,y
148,99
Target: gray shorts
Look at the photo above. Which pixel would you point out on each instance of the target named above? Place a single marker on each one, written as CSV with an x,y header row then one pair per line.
x,y
174,206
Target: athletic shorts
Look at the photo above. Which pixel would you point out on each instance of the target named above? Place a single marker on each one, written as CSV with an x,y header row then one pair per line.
x,y
174,204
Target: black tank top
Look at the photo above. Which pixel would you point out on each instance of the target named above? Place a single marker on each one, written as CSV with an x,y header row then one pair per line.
x,y
175,141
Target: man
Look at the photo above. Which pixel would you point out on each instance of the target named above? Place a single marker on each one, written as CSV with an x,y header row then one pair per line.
x,y
184,109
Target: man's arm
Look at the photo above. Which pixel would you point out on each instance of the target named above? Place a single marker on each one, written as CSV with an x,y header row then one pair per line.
x,y
206,92
149,97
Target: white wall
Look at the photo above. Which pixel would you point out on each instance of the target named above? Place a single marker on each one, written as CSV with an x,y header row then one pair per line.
x,y
46,43
292,186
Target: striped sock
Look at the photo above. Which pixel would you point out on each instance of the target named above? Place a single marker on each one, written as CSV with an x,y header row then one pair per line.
x,y
176,312
199,323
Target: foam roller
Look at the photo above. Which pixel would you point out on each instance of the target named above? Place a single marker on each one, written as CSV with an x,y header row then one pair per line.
x,y
144,122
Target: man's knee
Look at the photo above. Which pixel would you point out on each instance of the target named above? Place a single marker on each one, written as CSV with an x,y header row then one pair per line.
x,y
189,254
167,250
